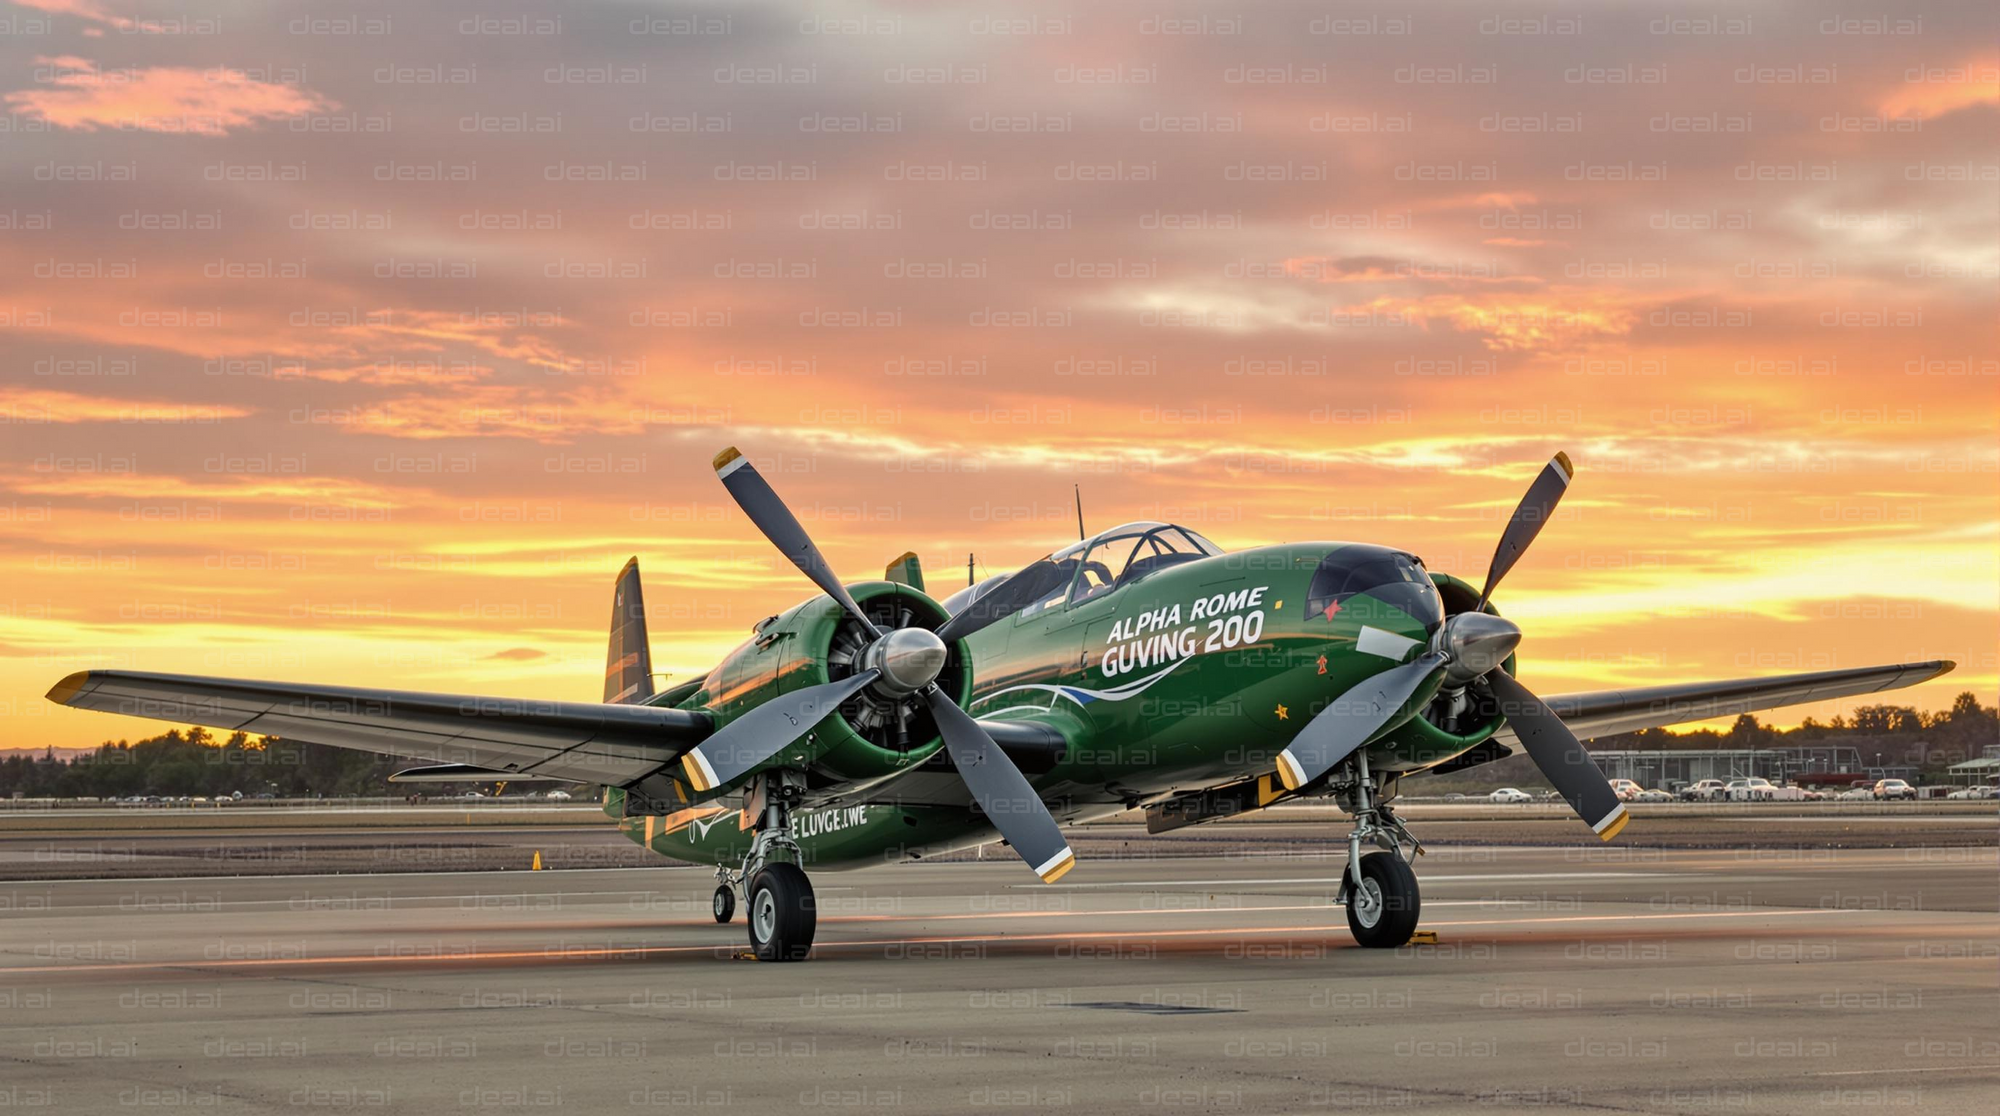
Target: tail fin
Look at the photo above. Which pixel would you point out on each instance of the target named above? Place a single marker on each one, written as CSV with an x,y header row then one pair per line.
x,y
906,570
628,666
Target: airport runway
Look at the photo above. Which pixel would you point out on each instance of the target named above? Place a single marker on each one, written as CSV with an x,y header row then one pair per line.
x,y
1604,978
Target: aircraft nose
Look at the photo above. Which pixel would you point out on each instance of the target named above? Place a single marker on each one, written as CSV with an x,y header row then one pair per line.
x,y
1477,642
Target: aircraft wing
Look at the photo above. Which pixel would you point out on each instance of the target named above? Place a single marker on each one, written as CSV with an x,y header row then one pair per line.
x,y
573,741
1608,712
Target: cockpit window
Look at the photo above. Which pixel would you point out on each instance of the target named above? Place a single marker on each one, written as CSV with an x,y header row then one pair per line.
x,y
1125,554
1105,562
1390,576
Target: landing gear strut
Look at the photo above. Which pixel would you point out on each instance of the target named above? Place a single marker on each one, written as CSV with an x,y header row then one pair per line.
x,y
783,914
1378,890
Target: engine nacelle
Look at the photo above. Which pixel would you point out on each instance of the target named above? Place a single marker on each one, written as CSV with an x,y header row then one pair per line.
x,y
874,733
1453,722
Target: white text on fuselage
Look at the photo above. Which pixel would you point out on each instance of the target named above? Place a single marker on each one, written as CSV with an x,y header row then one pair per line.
x,y
815,822
1159,637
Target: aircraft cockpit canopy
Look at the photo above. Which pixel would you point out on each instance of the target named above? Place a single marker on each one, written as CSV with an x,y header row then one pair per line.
x,y
1394,576
1106,561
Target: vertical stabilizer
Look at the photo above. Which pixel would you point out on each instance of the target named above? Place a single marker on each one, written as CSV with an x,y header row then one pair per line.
x,y
628,666
907,571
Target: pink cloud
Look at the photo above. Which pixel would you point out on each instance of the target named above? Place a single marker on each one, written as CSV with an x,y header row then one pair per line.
x,y
82,9
158,99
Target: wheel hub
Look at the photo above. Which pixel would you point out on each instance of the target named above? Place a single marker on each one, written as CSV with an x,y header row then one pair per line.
x,y
764,915
1367,900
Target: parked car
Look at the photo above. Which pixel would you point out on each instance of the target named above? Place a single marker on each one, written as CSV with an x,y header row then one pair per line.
x,y
1653,796
557,796
1510,795
1886,789
1625,789
1975,792
1454,797
1750,789
1707,790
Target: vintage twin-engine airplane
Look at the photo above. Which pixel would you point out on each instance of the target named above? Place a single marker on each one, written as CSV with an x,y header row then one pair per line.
x,y
1141,667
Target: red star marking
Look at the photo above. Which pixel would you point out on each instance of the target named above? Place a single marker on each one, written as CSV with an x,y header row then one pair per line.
x,y
1322,664
1332,607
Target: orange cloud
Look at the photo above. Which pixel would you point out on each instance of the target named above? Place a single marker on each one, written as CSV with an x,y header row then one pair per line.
x,y
170,99
1932,91
1559,320
33,405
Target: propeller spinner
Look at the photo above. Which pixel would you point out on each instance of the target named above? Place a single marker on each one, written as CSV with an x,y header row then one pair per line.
x,y
902,665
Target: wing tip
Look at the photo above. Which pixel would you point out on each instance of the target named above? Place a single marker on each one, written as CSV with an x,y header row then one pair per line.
x,y
64,691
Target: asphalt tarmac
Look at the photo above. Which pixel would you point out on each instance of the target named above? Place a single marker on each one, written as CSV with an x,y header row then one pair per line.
x,y
1635,979
251,841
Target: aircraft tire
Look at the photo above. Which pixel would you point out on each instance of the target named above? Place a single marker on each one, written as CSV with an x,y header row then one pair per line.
x,y
782,913
725,903
1384,914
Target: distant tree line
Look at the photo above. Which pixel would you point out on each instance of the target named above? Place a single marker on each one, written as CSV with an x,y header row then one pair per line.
x,y
1903,736
194,763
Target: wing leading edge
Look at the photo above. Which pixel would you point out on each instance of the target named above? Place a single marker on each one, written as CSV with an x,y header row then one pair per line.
x,y
1607,712
574,741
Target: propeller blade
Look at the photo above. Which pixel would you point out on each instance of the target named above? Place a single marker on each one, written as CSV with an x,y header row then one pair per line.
x,y
1029,584
1001,790
754,495
1371,708
1561,757
1530,514
766,730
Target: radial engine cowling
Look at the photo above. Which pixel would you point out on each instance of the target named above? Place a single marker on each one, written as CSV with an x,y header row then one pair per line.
x,y
880,730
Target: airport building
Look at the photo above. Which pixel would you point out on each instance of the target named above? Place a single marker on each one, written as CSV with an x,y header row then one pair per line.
x,y
1673,768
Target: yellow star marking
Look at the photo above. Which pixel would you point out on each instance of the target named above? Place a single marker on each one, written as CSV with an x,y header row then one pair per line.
x,y
1284,714
1280,604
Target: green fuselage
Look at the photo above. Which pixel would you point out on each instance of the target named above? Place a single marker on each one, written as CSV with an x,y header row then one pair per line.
x,y
1195,675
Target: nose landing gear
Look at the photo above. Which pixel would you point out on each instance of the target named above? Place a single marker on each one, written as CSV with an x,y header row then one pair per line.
x,y
1379,890
725,895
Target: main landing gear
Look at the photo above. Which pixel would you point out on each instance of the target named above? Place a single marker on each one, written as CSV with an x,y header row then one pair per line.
x,y
1378,890
779,898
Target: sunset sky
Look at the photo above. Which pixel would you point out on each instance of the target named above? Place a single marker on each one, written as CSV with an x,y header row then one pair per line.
x,y
362,343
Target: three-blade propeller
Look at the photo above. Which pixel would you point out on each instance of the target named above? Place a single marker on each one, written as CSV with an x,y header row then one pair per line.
x,y
1468,650
910,659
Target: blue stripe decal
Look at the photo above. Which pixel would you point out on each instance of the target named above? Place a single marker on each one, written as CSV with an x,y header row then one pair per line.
x,y
1082,696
